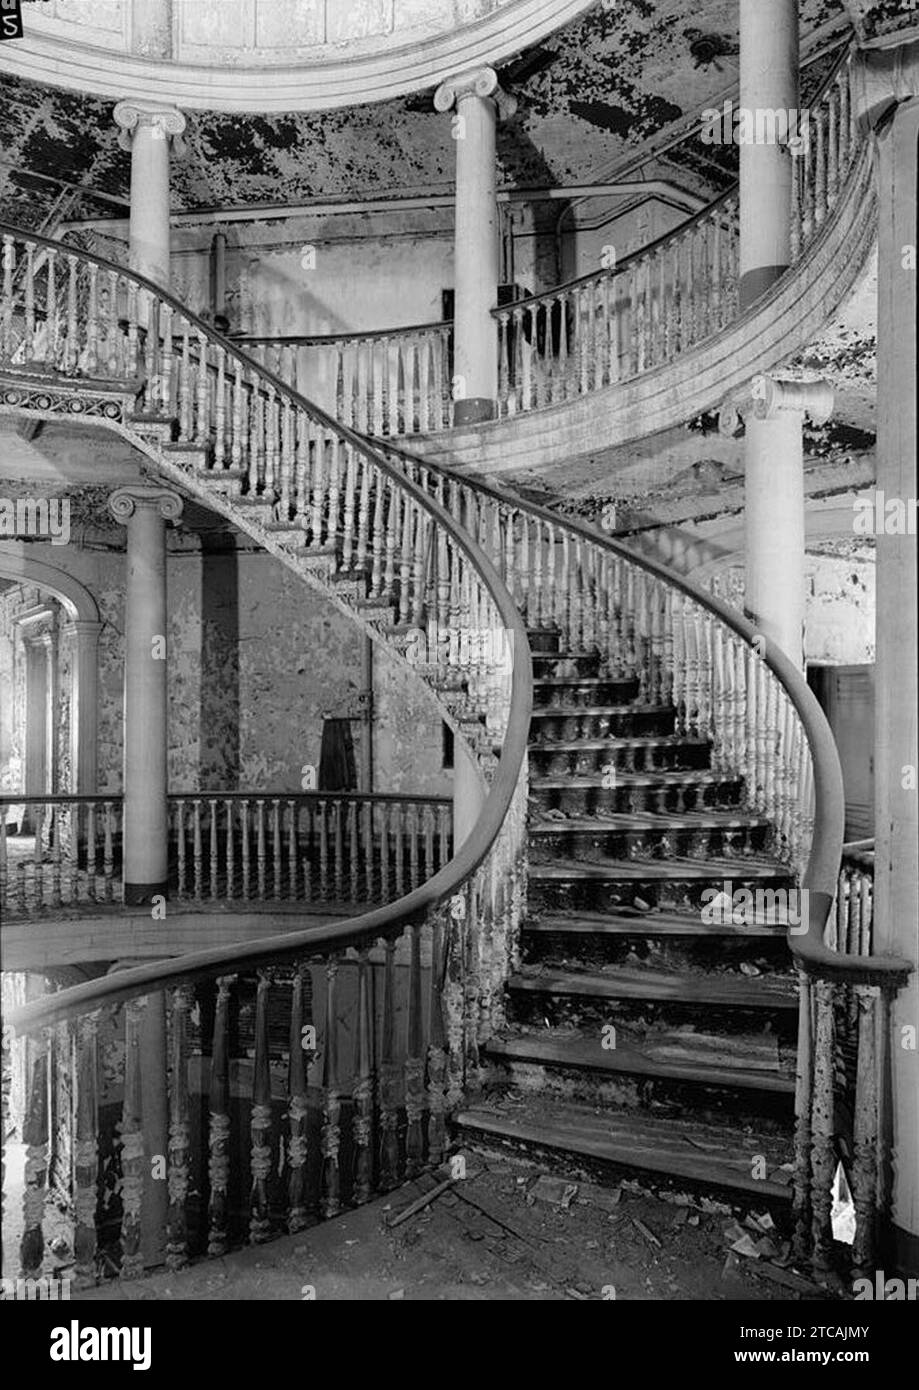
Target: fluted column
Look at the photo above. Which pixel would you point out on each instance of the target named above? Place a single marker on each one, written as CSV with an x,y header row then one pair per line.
x,y
768,82
886,90
477,100
145,511
149,131
775,593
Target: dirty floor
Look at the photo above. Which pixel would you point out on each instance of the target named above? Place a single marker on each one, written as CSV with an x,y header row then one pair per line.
x,y
507,1230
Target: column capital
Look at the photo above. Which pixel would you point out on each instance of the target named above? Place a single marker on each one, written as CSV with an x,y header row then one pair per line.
x,y
772,396
476,82
881,78
125,501
166,122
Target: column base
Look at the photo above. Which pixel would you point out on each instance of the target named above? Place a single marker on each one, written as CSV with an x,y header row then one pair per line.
x,y
472,410
755,283
136,894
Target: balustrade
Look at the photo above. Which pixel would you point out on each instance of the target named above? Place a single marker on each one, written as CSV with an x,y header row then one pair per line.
x,y
342,847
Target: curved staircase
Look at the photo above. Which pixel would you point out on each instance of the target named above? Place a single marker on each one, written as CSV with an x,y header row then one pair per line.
x,y
671,748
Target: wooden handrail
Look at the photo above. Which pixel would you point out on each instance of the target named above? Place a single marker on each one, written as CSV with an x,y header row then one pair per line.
x,y
820,874
392,919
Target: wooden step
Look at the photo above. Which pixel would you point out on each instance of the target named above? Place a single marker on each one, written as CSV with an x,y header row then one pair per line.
x,y
579,1052
648,820
654,924
657,986
672,1148
678,869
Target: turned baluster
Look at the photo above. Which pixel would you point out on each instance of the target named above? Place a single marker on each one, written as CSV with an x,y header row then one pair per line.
x,y
797,174
218,1134
436,1055
414,1061
865,1157
362,1089
179,1158
28,335
444,836
302,1042
823,1160
845,142
363,515
55,814
347,543
108,852
405,559
85,1150
395,812
260,1118
503,362
35,1136
319,490
6,309
213,851
330,1132
389,1079
131,1136
402,411
230,849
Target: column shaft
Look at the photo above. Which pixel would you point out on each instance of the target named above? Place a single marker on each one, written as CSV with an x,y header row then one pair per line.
x,y
774,530
476,261
768,82
897,689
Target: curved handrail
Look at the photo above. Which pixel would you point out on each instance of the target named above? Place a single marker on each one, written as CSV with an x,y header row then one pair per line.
x,y
820,873
448,880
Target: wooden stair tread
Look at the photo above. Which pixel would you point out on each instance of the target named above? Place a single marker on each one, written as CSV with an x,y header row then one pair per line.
x,y
565,711
624,982
576,1051
677,869
649,924
651,820
662,778
630,741
673,1148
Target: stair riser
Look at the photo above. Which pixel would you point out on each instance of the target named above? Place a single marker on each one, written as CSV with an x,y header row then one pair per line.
x,y
546,761
573,692
677,954
628,1015
707,1104
546,664
555,725
611,1174
624,800
640,841
674,894
545,642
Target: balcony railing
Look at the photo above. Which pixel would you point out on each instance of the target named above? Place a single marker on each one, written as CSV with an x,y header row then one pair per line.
x,y
246,847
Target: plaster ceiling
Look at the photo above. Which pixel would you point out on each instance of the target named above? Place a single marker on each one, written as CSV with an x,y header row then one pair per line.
x,y
590,97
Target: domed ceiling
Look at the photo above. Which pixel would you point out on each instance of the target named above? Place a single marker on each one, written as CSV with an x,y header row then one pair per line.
x,y
593,96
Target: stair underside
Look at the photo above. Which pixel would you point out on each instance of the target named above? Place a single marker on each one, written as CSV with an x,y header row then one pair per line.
x,y
658,986
675,1148
580,1052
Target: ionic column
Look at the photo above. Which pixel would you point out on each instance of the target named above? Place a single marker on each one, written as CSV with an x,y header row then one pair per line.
x,y
145,511
768,82
147,131
478,99
84,703
886,89
775,594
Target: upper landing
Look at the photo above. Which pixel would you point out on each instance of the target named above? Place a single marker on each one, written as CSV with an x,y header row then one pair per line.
x,y
321,54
